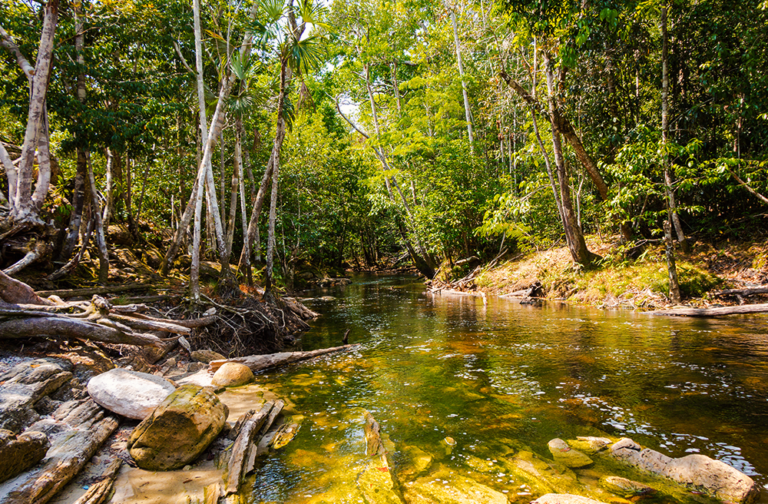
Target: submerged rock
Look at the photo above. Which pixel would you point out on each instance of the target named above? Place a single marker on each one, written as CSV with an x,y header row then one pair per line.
x,y
567,455
415,461
590,444
232,374
564,499
179,430
447,487
206,356
129,393
625,487
694,471
17,454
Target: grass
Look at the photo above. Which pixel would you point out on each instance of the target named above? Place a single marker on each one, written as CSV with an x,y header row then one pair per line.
x,y
615,281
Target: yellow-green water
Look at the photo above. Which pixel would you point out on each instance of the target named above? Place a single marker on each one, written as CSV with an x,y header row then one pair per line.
x,y
506,378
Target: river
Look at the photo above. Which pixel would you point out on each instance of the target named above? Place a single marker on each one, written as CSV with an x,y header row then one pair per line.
x,y
499,375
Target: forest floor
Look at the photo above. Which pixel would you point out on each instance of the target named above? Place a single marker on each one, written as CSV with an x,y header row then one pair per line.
x,y
617,281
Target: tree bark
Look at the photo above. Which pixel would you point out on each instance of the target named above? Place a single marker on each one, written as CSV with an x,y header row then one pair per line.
x,y
101,241
674,285
243,215
78,201
573,234
23,208
467,112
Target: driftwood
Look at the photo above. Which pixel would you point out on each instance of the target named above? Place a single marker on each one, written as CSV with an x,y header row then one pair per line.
x,y
261,362
299,309
713,312
76,430
747,291
98,492
91,291
250,463
251,424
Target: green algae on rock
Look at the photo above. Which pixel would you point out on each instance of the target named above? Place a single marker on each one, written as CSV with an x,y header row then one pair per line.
x,y
568,456
179,430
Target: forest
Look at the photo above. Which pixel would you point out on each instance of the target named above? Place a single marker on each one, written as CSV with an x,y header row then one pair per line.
x,y
279,136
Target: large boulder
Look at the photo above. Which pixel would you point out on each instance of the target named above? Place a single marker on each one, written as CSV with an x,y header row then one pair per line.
x,y
232,374
713,477
568,456
17,454
129,393
179,430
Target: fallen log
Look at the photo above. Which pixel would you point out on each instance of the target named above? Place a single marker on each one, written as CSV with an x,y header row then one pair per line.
x,y
250,426
59,327
76,430
261,362
713,312
98,492
255,451
299,309
747,291
90,291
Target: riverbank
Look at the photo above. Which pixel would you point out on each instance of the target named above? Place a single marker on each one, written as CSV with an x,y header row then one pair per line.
x,y
618,282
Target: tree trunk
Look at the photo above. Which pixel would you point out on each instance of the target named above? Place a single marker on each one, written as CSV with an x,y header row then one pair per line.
x,y
109,189
101,242
467,112
23,208
78,200
234,187
243,214
668,182
573,234
674,285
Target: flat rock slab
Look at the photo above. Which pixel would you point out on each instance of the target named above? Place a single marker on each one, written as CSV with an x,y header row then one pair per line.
x,y
25,384
716,478
129,393
76,430
564,499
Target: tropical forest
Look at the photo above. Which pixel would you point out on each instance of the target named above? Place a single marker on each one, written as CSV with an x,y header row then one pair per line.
x,y
383,251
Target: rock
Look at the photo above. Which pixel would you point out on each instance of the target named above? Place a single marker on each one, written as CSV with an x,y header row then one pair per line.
x,y
624,487
457,490
543,476
567,455
564,499
17,454
129,393
179,430
206,356
713,477
232,374
415,461
25,384
590,444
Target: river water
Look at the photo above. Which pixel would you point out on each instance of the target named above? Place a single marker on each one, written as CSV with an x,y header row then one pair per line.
x,y
499,375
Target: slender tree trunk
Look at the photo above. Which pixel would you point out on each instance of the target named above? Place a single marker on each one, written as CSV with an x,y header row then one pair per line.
x,y
279,134
234,187
78,200
467,111
109,189
143,192
668,182
101,241
573,234
243,213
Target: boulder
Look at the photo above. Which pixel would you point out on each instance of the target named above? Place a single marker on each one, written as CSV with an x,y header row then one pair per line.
x,y
232,374
713,477
179,430
564,499
129,393
567,456
17,454
206,356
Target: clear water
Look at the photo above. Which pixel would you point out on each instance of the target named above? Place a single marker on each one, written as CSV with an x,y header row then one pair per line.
x,y
504,374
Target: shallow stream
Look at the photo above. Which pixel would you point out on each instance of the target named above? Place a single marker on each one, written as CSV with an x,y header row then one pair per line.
x,y
505,375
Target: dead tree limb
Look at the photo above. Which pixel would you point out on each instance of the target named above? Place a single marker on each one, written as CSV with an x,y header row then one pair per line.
x,y
261,362
713,312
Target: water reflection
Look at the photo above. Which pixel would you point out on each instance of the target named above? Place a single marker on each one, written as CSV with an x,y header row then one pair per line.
x,y
506,375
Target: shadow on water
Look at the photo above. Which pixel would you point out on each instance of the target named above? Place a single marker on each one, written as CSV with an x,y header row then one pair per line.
x,y
437,366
